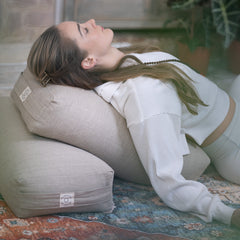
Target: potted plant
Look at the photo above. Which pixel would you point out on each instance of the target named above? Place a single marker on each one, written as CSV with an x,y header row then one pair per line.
x,y
195,17
226,17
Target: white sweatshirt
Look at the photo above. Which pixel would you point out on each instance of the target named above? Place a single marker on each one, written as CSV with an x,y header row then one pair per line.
x,y
158,121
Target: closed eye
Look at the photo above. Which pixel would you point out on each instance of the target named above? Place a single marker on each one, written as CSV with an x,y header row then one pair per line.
x,y
79,29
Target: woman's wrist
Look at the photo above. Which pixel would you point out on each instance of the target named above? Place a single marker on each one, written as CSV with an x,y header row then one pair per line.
x,y
222,212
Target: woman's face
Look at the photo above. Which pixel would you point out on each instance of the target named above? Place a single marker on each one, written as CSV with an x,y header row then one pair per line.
x,y
88,36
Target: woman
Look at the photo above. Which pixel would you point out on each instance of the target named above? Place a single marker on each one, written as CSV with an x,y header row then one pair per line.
x,y
163,102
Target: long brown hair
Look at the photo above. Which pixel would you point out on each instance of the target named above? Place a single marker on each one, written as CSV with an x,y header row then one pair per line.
x,y
166,71
60,59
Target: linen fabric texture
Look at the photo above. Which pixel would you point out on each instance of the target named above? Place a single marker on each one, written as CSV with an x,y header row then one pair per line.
x,y
83,119
41,176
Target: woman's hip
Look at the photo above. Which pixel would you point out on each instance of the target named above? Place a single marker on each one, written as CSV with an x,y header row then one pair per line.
x,y
229,140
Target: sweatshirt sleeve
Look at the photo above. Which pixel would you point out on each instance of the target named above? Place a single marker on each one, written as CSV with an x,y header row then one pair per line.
x,y
157,140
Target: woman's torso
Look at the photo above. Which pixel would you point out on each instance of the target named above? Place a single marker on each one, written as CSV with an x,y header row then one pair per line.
x,y
140,98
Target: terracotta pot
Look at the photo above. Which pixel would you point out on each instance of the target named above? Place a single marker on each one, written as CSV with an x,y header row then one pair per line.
x,y
198,59
234,57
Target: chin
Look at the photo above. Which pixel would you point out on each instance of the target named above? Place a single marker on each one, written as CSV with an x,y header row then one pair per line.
x,y
110,34
110,31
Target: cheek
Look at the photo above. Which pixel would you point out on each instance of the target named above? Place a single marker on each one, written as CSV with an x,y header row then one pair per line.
x,y
97,43
85,45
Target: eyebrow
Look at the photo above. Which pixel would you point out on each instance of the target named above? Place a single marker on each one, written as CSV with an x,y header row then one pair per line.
x,y
79,29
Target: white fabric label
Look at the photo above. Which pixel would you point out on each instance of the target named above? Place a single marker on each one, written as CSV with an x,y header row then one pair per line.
x,y
67,199
24,95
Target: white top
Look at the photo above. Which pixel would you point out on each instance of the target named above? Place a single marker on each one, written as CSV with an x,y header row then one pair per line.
x,y
158,121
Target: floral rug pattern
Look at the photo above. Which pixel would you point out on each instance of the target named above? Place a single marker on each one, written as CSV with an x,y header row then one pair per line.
x,y
139,208
139,214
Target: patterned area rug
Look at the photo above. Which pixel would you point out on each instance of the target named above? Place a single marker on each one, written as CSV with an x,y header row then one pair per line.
x,y
139,214
65,228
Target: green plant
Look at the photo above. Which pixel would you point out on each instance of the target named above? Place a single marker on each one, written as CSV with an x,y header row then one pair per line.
x,y
195,17
226,18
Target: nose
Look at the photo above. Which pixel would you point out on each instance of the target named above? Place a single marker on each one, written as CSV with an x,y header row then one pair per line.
x,y
92,23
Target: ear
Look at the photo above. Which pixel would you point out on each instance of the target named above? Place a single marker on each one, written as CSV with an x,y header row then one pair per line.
x,y
88,63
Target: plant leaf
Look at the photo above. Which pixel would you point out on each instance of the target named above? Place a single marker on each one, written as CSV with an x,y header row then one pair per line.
x,y
226,17
184,4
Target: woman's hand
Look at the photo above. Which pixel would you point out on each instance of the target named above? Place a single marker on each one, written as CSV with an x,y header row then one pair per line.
x,y
235,220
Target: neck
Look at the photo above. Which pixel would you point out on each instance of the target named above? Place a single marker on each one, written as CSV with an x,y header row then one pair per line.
x,y
111,59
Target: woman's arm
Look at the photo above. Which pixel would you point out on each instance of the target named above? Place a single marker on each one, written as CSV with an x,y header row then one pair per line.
x,y
153,111
159,145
